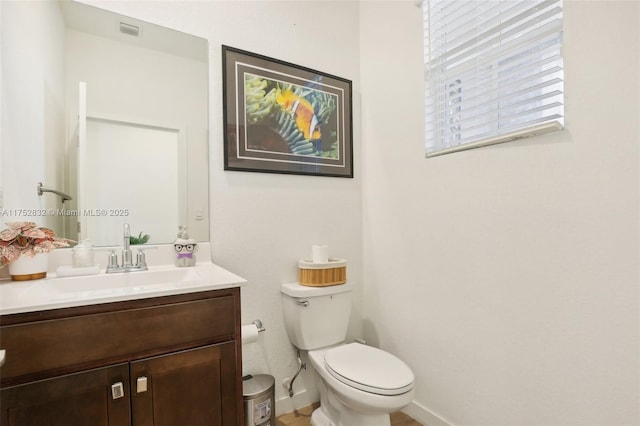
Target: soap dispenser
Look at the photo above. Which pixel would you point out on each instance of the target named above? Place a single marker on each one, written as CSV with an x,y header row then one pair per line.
x,y
185,248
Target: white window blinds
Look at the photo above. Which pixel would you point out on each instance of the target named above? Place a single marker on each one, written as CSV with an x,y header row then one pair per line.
x,y
493,71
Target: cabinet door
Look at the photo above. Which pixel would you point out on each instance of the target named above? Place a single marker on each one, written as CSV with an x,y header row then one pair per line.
x,y
80,399
196,387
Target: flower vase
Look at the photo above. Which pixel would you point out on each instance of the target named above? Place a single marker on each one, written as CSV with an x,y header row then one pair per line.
x,y
27,268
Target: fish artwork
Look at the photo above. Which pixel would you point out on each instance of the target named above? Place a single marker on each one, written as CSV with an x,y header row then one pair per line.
x,y
306,120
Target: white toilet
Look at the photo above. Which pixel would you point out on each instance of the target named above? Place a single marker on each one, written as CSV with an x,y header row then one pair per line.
x,y
360,385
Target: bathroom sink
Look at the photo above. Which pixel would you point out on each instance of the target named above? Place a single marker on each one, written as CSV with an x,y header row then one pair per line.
x,y
123,280
120,283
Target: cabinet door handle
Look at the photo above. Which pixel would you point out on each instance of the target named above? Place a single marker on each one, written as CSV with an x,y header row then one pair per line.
x,y
141,384
117,390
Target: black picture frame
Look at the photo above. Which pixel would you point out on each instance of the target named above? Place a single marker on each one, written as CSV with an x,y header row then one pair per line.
x,y
284,118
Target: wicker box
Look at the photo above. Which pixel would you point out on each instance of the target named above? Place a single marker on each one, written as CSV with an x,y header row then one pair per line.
x,y
333,272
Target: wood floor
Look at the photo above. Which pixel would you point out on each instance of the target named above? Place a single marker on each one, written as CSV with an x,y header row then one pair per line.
x,y
302,417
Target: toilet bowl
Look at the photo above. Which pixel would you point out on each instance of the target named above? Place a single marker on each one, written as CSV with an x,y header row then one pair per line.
x,y
368,381
359,385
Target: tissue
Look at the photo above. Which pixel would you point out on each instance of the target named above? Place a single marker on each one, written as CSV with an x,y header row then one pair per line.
x,y
249,333
320,254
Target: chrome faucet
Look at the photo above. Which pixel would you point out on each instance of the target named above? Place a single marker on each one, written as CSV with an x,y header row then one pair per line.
x,y
127,257
126,252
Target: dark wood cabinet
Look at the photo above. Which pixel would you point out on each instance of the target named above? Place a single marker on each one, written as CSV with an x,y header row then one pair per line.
x,y
166,389
79,399
163,361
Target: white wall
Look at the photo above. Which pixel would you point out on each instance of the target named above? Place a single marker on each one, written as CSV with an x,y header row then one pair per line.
x,y
263,223
507,277
32,107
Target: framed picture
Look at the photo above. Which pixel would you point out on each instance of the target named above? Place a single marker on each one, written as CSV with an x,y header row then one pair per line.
x,y
284,118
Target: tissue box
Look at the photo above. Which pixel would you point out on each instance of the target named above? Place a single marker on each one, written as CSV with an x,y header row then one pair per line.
x,y
333,272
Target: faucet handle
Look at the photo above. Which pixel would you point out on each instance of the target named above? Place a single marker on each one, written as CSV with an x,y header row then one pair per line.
x,y
141,260
113,259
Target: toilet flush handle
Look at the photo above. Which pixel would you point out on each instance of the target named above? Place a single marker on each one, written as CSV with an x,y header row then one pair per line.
x,y
304,303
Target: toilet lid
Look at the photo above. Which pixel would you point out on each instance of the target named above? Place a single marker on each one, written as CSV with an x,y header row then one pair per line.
x,y
369,369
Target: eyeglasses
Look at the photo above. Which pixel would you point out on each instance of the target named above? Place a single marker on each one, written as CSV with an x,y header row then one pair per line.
x,y
187,247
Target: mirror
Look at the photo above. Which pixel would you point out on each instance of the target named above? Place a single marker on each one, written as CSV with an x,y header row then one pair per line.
x,y
129,143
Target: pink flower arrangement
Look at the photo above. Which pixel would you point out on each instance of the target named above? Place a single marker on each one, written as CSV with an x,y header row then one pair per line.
x,y
29,239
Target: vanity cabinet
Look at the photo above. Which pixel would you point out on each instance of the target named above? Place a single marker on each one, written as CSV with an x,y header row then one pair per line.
x,y
73,399
173,360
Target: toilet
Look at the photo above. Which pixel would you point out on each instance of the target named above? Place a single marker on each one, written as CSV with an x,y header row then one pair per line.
x,y
359,385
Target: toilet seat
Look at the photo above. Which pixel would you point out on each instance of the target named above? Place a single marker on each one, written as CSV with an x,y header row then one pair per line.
x,y
369,369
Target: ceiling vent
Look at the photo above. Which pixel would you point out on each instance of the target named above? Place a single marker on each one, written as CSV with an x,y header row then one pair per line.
x,y
132,30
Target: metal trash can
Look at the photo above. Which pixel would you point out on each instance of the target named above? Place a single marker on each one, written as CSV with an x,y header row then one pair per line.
x,y
259,403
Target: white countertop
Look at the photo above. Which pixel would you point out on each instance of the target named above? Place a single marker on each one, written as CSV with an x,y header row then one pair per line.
x,y
164,280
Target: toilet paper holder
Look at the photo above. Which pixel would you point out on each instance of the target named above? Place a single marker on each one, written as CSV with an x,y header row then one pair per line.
x,y
249,333
259,326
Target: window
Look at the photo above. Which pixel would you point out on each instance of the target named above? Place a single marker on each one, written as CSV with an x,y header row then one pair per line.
x,y
493,71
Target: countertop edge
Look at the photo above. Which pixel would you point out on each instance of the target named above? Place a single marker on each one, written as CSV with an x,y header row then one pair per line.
x,y
230,280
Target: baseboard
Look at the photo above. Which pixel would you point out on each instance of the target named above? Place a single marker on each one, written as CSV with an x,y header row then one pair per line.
x,y
300,399
305,398
424,415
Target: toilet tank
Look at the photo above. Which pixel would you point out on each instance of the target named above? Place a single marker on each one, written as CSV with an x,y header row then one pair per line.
x,y
316,317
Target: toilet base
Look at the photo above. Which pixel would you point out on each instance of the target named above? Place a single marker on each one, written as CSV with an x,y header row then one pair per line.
x,y
320,418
